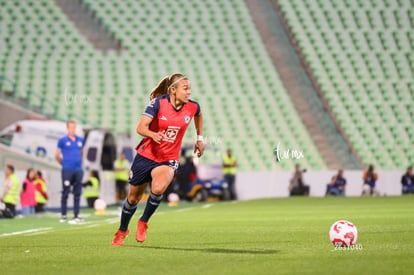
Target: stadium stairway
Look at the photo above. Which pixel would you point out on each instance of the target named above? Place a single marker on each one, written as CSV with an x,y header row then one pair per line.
x,y
88,26
329,141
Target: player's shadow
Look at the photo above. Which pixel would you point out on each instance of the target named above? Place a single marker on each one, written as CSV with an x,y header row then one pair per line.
x,y
216,250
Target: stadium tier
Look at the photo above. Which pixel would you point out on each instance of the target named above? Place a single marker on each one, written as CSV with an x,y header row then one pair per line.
x,y
361,54
215,43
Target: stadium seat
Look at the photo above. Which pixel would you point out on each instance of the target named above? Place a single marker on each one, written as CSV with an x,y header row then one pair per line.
x,y
370,48
218,46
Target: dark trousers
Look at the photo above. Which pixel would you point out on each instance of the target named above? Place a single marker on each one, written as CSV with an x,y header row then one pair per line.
x,y
231,179
40,207
9,211
71,179
91,201
300,190
121,190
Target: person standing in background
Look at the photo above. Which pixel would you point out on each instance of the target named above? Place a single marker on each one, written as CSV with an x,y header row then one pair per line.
x,y
69,155
28,193
91,191
121,174
41,195
10,195
229,172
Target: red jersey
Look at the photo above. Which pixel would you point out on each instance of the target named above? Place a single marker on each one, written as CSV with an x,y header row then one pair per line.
x,y
172,122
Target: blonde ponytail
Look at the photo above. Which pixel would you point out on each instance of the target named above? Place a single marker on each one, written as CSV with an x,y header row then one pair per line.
x,y
164,86
160,89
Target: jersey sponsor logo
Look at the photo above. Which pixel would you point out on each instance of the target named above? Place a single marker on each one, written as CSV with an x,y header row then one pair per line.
x,y
187,119
67,143
171,133
163,118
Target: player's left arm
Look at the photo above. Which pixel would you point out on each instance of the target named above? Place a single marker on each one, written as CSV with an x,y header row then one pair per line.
x,y
6,190
82,151
199,146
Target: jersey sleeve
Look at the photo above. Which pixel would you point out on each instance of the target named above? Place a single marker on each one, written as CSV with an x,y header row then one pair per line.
x,y
198,111
60,144
152,108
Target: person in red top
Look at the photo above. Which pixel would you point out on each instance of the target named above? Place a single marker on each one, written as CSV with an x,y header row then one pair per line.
x,y
41,194
27,195
163,125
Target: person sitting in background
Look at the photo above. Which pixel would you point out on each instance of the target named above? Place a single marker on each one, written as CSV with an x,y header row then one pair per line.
x,y
370,179
28,193
185,175
121,175
407,181
41,195
91,191
296,186
337,185
10,195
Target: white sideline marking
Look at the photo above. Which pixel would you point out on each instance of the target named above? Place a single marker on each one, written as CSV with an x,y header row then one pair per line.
x,y
26,231
207,205
38,233
183,209
92,225
112,220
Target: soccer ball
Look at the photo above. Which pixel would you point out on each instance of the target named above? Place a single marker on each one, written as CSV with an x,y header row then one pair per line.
x,y
99,205
173,199
343,233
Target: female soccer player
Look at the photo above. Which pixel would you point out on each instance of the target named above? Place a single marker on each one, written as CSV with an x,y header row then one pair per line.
x,y
163,126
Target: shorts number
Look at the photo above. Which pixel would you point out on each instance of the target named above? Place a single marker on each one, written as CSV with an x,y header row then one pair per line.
x,y
173,164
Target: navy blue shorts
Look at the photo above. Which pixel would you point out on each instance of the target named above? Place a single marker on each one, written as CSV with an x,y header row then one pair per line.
x,y
141,168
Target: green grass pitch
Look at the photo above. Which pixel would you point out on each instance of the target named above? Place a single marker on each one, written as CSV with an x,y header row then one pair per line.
x,y
271,236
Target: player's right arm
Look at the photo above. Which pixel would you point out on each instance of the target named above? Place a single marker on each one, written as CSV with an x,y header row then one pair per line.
x,y
58,156
58,153
143,129
143,125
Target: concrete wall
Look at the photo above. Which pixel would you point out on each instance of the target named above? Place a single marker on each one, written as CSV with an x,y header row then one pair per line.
x,y
249,185
54,186
10,113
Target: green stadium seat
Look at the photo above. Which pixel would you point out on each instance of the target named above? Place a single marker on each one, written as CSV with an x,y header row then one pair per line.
x,y
150,54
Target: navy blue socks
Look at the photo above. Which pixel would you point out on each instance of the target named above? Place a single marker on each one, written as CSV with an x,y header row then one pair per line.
x,y
152,205
128,211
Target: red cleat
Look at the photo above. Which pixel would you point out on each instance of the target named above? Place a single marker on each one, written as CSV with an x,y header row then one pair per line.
x,y
141,231
119,237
